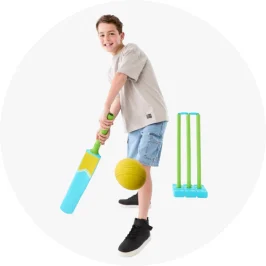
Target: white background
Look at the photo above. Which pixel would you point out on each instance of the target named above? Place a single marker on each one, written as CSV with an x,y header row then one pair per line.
x,y
241,23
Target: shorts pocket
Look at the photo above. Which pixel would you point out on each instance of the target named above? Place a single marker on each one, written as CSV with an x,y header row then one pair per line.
x,y
150,147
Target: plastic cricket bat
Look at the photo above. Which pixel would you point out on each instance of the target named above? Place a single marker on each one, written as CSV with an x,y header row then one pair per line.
x,y
83,175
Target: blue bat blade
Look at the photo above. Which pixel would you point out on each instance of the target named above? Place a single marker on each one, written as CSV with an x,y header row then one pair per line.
x,y
75,191
80,181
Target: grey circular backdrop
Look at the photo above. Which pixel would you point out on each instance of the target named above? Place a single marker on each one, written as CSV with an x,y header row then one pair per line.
x,y
50,117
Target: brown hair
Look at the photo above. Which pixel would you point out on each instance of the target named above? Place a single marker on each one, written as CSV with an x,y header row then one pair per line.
x,y
112,20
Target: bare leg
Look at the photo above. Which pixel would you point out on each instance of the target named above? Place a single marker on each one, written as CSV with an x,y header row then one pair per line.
x,y
144,195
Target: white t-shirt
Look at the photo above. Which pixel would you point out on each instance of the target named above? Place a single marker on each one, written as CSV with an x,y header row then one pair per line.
x,y
141,100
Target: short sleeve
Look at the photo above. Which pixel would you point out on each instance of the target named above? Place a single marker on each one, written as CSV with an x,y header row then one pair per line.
x,y
132,63
109,75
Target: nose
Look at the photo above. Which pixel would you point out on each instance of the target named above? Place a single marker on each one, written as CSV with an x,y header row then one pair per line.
x,y
106,39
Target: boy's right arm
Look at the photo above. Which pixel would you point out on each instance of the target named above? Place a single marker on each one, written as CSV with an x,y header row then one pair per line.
x,y
115,109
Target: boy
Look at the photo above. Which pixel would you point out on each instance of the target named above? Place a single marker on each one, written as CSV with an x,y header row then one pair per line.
x,y
135,92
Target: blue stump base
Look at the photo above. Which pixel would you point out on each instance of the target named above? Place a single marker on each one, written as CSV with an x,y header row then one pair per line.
x,y
192,192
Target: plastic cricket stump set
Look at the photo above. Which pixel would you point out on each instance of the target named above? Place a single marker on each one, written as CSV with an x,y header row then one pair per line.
x,y
189,190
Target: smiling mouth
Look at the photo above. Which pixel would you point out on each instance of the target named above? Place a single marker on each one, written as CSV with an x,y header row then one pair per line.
x,y
108,44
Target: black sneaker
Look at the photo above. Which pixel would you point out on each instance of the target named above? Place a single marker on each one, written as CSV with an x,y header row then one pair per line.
x,y
137,238
132,201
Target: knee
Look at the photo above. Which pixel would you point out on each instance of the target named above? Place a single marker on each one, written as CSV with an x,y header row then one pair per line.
x,y
147,170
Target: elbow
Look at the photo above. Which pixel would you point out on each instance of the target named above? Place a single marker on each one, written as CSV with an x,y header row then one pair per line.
x,y
121,77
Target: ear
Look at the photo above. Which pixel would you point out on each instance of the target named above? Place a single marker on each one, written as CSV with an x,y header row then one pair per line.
x,y
122,35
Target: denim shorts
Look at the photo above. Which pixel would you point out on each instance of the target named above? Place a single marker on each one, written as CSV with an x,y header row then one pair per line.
x,y
145,144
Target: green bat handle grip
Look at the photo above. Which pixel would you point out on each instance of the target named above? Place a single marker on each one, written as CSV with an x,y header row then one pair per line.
x,y
97,143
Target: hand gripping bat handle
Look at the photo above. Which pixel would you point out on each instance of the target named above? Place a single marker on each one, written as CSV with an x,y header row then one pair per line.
x,y
97,144
109,117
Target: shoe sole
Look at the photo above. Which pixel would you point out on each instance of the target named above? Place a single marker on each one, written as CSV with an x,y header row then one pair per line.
x,y
136,251
131,206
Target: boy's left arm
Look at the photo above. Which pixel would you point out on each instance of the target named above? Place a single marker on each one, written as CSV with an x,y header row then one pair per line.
x,y
118,82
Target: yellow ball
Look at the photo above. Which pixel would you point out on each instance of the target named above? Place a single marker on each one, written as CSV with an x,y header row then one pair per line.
x,y
130,174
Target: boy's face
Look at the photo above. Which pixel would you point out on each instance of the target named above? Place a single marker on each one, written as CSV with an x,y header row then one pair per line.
x,y
110,38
